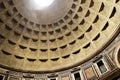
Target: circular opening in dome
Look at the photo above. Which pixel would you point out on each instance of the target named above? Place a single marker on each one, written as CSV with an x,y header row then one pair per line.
x,y
41,4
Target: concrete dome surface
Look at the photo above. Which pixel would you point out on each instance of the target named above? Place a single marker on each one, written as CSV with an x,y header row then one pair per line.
x,y
65,34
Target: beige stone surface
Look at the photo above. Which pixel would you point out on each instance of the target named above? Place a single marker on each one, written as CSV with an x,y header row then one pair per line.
x,y
71,33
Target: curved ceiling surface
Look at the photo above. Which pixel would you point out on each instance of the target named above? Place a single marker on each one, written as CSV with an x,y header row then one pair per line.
x,y
66,33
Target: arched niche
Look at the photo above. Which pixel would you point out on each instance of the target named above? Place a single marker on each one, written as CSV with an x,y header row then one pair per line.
x,y
117,57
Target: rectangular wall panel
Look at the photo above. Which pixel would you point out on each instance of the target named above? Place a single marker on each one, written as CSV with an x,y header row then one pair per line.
x,y
65,78
12,78
90,73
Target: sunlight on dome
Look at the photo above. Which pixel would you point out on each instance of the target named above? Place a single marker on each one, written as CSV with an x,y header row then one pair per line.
x,y
41,4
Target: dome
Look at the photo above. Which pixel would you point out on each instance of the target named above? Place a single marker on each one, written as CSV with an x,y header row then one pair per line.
x,y
61,36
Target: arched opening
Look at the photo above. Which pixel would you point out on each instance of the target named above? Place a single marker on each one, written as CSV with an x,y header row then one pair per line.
x,y
119,56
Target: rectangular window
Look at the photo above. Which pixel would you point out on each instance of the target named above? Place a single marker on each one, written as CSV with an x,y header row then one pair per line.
x,y
1,77
77,76
101,66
